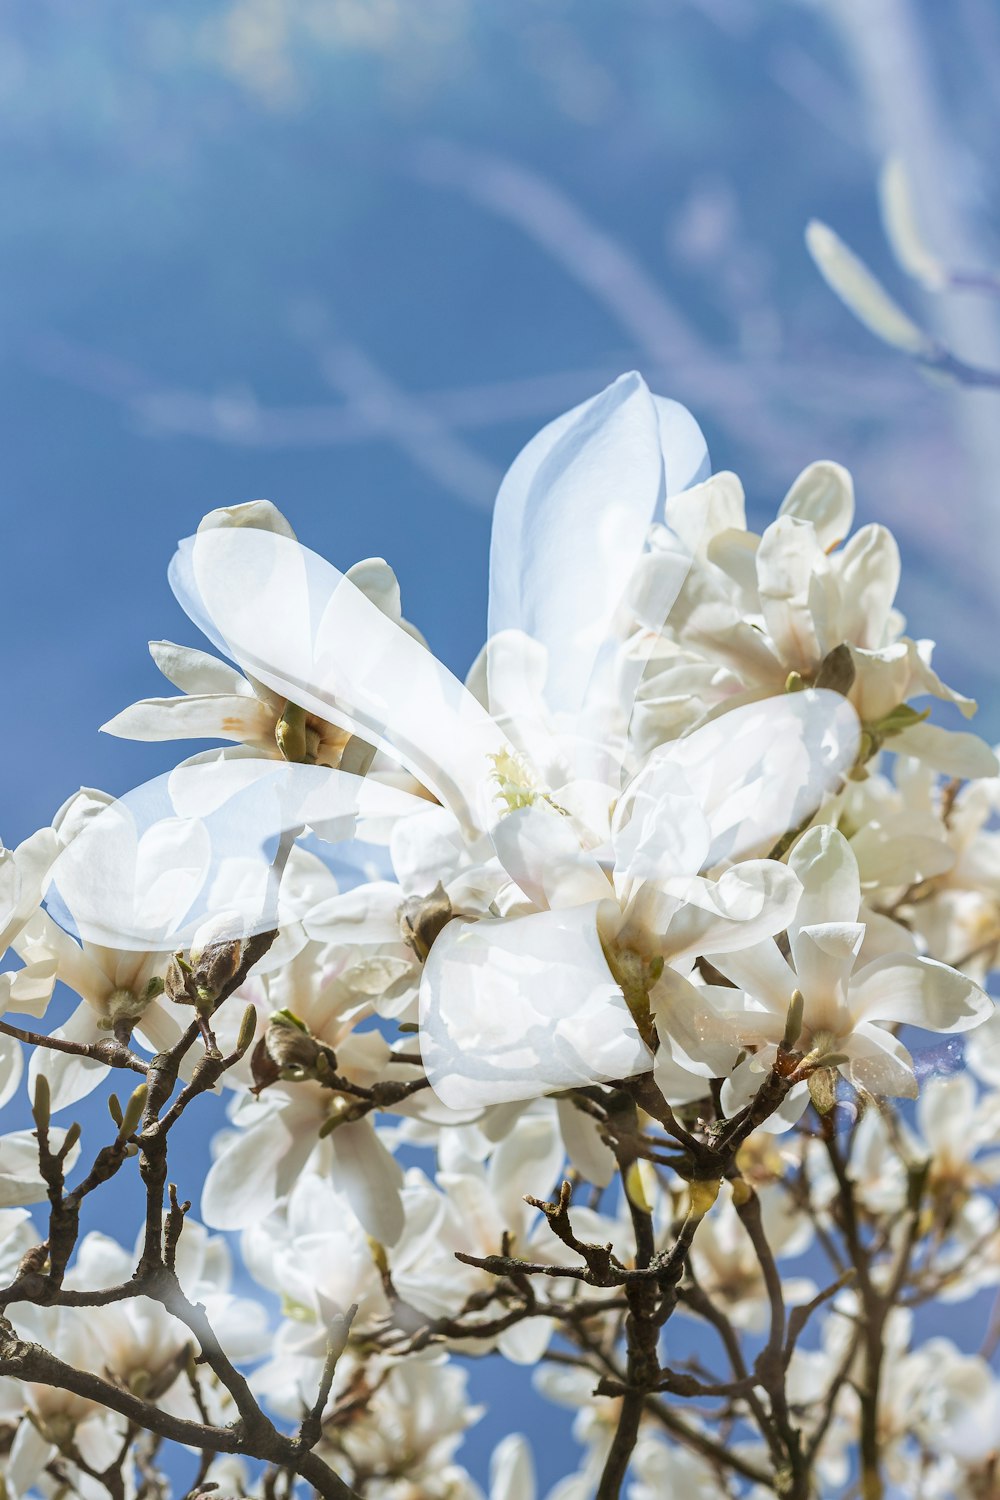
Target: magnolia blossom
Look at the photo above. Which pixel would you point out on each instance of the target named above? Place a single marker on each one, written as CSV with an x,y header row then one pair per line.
x,y
135,1342
850,994
218,702
514,1007
279,1131
761,608
657,834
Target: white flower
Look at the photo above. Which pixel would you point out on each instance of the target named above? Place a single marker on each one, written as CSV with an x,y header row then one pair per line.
x,y
759,608
518,1006
846,1009
220,703
278,1134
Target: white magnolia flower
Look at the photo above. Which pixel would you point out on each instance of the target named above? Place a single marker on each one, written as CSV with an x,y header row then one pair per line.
x,y
24,878
400,1444
196,857
217,702
278,1133
755,609
316,1256
21,1181
518,1006
598,477
848,1003
471,1207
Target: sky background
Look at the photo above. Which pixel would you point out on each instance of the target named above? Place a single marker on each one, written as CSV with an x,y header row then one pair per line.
x,y
350,254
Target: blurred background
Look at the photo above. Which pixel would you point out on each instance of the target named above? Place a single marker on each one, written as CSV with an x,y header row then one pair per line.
x,y
351,254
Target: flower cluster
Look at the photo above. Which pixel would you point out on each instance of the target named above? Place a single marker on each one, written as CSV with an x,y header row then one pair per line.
x,y
555,1012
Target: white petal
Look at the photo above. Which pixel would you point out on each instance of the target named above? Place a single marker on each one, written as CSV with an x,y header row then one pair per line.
x,y
741,1086
831,888
748,903
571,521
370,1178
762,972
20,1182
11,1068
761,769
374,577
196,671
516,669
512,1473
879,1063
695,1029
868,572
787,561
823,494
945,1114
195,717
304,630
956,752
70,1078
702,512
918,992
367,915
529,1160
209,841
677,1083
825,955
262,515
659,829
29,1454
256,1169
588,1153
515,1008
539,850
525,1343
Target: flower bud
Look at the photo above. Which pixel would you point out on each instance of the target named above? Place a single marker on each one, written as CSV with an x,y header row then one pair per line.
x,y
701,1196
421,919
132,1113
41,1107
294,1050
